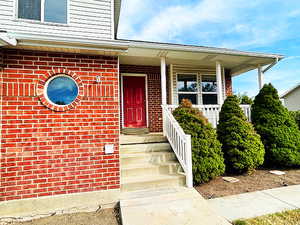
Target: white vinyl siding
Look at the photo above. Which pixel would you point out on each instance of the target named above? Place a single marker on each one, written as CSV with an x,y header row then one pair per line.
x,y
292,100
86,19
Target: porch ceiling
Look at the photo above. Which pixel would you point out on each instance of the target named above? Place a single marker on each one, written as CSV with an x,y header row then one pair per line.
x,y
236,63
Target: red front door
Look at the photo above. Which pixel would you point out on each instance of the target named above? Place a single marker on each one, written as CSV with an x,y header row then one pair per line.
x,y
134,101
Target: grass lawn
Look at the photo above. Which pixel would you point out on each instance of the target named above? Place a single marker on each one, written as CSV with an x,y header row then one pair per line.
x,y
285,218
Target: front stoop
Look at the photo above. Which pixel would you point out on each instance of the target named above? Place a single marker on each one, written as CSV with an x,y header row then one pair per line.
x,y
147,161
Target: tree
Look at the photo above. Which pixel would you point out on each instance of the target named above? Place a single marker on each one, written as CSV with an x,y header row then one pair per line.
x,y
207,156
277,128
241,145
244,99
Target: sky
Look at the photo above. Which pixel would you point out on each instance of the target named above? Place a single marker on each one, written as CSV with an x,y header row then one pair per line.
x,y
268,26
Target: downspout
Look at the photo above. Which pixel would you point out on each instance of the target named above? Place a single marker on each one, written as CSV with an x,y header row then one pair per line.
x,y
6,40
271,65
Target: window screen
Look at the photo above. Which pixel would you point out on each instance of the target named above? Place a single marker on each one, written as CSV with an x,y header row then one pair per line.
x,y
29,9
209,84
187,83
210,99
56,11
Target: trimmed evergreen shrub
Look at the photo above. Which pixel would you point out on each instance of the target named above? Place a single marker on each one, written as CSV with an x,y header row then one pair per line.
x,y
207,155
296,115
277,128
241,145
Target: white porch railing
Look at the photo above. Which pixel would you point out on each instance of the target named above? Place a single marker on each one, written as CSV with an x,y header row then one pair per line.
x,y
180,143
211,112
247,111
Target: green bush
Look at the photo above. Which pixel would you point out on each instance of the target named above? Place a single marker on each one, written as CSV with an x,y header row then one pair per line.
x,y
296,116
245,99
241,145
277,128
207,156
239,222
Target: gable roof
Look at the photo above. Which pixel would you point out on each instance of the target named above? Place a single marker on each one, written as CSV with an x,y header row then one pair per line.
x,y
290,91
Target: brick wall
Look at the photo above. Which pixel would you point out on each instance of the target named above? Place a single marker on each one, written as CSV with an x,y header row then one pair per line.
x,y
154,93
228,83
46,152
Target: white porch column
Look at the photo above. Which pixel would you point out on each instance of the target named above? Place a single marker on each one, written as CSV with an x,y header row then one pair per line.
x,y
163,78
260,77
219,82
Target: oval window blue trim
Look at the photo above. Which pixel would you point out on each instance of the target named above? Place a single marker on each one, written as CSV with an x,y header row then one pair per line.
x,y
62,90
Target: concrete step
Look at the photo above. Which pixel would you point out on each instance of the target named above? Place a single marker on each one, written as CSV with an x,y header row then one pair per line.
x,y
149,182
153,157
143,169
143,148
135,131
142,139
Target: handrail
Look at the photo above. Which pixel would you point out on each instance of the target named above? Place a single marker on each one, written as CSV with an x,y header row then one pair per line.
x,y
180,143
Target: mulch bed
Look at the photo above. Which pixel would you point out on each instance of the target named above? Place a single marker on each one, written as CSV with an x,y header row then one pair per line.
x,y
259,180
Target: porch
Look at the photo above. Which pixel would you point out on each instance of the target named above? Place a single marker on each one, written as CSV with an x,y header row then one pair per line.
x,y
145,88
155,77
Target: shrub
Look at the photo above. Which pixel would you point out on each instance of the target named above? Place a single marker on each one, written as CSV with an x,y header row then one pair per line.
x,y
207,156
277,128
296,116
241,145
245,99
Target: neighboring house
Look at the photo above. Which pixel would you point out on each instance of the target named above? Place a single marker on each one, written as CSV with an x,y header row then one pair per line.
x,y
291,98
69,87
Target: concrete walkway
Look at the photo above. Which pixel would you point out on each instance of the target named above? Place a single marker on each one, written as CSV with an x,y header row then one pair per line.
x,y
253,204
172,206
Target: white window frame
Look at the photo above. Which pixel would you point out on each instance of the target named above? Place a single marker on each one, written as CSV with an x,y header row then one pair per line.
x,y
42,20
54,77
199,92
188,92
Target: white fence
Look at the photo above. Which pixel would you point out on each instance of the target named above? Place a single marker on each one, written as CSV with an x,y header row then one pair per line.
x,y
211,112
180,142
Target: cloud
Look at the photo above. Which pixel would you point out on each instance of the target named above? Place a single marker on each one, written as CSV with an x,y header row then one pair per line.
x,y
257,25
283,76
175,20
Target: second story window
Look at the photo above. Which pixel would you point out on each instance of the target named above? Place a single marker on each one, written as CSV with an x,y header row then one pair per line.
x,y
43,10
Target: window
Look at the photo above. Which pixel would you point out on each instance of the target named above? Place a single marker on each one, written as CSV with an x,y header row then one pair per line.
x,y
61,90
43,10
203,92
187,87
209,90
29,9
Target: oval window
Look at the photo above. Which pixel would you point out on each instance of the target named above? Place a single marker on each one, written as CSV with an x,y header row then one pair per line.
x,y
61,90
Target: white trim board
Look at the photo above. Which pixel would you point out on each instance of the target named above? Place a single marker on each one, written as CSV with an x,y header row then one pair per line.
x,y
146,94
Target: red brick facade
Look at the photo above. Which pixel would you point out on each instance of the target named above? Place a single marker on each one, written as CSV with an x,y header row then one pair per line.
x,y
47,151
228,83
154,93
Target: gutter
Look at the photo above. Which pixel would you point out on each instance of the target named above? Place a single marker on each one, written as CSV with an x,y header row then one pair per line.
x,y
126,44
194,48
